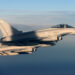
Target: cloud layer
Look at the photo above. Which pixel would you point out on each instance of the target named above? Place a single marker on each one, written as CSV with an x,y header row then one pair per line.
x,y
39,18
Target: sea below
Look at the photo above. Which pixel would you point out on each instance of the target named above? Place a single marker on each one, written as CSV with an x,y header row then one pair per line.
x,y
54,60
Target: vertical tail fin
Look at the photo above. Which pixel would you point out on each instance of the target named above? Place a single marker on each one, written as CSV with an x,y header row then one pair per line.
x,y
7,30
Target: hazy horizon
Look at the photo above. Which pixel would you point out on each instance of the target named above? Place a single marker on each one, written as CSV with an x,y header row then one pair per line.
x,y
40,18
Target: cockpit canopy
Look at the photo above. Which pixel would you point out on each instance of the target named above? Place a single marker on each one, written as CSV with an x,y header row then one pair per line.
x,y
62,26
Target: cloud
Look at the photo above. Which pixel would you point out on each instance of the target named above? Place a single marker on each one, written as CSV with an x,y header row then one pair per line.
x,y
39,18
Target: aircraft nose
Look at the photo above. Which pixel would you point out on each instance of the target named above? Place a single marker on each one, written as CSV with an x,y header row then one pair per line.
x,y
73,31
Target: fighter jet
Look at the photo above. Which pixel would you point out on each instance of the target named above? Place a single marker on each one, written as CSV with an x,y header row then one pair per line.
x,y
15,42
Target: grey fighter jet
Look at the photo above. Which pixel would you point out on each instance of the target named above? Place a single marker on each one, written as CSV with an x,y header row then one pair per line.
x,y
15,42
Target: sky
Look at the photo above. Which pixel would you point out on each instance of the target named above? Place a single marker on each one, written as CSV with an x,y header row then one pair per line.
x,y
38,12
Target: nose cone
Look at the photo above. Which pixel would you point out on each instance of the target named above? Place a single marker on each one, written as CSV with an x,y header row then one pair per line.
x,y
73,31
